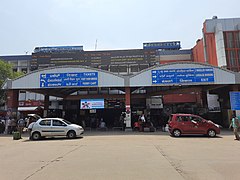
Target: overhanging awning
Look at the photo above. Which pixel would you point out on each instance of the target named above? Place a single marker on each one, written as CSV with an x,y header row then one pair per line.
x,y
30,108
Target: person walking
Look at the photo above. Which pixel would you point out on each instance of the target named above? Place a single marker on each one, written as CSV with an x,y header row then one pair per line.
x,y
143,121
21,125
235,125
30,126
122,121
2,126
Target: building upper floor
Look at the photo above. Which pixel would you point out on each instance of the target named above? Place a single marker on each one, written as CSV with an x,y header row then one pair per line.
x,y
220,43
123,62
218,46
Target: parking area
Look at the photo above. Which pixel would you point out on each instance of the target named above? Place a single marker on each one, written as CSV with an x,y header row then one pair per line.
x,y
121,155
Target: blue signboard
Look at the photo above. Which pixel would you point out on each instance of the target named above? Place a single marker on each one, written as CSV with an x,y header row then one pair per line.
x,y
52,80
181,76
235,100
162,45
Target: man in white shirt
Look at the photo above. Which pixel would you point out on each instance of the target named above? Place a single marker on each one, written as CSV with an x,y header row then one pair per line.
x,y
143,120
30,126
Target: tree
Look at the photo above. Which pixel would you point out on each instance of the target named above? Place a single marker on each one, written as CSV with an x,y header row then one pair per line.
x,y
6,71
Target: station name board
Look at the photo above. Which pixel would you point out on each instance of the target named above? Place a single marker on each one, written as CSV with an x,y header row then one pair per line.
x,y
181,76
84,79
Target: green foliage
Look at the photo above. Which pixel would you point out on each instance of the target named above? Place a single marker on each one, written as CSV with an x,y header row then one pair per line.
x,y
6,71
17,74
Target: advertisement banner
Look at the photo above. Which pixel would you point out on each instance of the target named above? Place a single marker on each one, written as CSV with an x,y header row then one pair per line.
x,y
92,104
213,103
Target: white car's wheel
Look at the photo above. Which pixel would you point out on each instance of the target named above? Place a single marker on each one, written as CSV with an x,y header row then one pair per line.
x,y
71,134
36,136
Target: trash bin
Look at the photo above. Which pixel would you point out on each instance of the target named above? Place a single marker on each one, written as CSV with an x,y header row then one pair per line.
x,y
16,135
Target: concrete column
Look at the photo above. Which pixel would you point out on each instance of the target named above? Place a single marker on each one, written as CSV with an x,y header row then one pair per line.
x,y
64,109
204,99
220,47
128,106
46,105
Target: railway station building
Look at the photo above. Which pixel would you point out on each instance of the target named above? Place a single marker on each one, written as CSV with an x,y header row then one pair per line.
x,y
157,80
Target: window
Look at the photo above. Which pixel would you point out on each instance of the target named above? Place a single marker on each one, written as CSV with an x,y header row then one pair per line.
x,y
104,90
123,68
197,119
182,118
238,52
24,70
30,96
103,67
93,91
232,56
229,42
143,66
58,123
134,68
237,40
22,96
186,118
39,97
232,45
45,123
113,68
179,119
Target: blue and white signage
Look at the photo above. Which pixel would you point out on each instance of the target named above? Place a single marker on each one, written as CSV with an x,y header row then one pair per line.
x,y
235,100
52,80
92,104
181,76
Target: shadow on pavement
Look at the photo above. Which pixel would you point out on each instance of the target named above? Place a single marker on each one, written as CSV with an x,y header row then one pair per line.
x,y
198,136
52,139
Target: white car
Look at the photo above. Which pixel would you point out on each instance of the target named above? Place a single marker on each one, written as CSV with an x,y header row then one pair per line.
x,y
50,127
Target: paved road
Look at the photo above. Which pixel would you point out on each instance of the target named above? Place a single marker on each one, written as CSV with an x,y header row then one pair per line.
x,y
120,155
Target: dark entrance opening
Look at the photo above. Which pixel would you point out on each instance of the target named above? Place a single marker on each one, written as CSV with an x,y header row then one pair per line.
x,y
91,118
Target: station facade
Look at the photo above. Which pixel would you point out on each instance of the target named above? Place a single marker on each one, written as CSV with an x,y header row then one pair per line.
x,y
157,91
157,80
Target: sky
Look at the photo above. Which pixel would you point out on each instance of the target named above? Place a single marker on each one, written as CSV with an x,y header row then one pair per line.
x,y
105,24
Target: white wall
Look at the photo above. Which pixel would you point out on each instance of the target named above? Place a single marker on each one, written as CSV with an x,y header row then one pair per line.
x,y
220,47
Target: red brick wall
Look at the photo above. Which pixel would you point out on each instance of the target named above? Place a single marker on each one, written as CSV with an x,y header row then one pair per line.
x,y
12,99
198,52
211,49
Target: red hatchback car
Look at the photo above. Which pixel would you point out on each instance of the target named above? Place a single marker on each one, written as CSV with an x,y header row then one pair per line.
x,y
191,124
